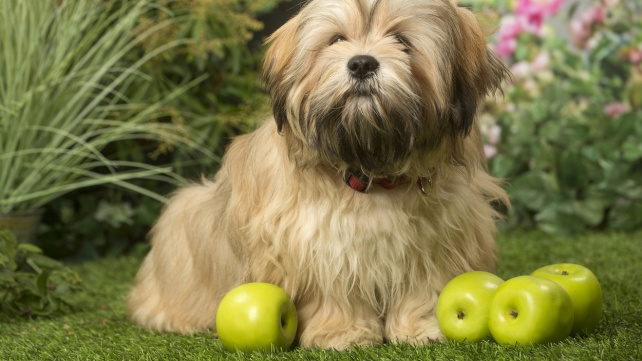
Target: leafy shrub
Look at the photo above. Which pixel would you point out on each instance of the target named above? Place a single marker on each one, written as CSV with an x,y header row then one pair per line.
x,y
97,222
230,99
567,133
30,282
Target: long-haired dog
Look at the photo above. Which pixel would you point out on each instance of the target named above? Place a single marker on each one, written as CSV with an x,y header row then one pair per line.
x,y
363,196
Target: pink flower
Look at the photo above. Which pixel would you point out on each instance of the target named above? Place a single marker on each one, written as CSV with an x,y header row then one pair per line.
x,y
580,31
509,29
541,61
635,55
524,69
521,69
539,7
536,10
492,135
505,48
490,151
594,14
582,25
599,14
529,17
614,109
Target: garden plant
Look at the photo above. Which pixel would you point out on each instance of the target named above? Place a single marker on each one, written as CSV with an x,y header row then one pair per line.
x,y
566,133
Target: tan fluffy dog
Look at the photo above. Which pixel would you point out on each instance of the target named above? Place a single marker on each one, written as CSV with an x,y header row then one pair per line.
x,y
364,195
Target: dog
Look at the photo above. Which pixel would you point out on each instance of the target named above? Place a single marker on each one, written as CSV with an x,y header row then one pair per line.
x,y
364,194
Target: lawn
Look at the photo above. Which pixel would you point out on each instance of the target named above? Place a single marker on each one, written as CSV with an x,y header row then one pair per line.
x,y
101,331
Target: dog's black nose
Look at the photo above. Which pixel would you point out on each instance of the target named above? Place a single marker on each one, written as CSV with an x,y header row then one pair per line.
x,y
362,66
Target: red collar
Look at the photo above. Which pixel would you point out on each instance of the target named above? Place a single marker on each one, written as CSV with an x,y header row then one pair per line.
x,y
362,183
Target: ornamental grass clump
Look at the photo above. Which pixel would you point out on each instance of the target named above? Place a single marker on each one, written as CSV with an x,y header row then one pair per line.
x,y
64,97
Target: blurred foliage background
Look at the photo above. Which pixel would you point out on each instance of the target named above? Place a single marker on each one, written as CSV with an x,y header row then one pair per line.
x,y
567,132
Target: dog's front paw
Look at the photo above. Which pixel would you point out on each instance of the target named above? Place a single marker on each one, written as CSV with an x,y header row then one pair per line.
x,y
338,325
343,335
412,319
417,331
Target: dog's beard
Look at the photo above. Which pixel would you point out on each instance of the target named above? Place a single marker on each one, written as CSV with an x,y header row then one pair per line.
x,y
368,124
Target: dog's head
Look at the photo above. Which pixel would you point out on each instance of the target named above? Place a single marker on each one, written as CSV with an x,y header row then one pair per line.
x,y
367,83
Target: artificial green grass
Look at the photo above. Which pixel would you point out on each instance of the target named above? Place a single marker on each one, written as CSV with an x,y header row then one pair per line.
x,y
101,331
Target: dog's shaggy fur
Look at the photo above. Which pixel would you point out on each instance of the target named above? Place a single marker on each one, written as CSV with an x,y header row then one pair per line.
x,y
360,267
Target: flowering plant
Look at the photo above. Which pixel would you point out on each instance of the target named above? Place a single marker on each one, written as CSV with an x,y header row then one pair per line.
x,y
567,132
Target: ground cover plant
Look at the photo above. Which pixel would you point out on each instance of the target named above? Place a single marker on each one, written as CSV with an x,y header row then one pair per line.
x,y
30,282
101,331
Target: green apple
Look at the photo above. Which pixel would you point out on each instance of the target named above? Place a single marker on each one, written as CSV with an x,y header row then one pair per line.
x,y
529,310
585,291
463,306
256,316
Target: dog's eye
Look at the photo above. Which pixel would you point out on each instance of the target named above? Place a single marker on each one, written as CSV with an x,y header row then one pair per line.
x,y
404,42
336,39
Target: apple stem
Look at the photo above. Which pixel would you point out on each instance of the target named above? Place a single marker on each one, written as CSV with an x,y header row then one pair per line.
x,y
513,313
564,273
460,315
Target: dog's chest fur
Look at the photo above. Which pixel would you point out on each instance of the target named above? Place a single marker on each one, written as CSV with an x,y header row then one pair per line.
x,y
319,234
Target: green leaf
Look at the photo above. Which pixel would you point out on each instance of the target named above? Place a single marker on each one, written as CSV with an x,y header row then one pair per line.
x,y
62,290
6,235
632,150
533,189
626,216
591,211
41,283
502,166
629,189
551,131
572,171
539,111
45,262
28,247
8,248
6,276
559,218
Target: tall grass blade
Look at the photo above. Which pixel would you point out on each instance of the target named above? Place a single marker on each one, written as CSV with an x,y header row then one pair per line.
x,y
64,82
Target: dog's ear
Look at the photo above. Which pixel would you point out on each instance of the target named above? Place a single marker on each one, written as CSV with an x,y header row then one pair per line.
x,y
277,60
477,72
